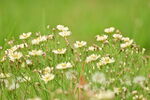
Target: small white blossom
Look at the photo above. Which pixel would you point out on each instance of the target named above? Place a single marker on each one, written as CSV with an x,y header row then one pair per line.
x,y
109,30
64,33
64,65
92,57
15,56
79,44
60,51
105,60
25,35
36,52
101,38
47,77
117,36
28,62
62,28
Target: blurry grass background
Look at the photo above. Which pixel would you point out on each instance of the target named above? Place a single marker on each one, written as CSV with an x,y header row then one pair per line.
x,y
85,18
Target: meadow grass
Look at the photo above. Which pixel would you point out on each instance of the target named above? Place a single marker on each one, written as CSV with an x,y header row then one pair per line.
x,y
49,65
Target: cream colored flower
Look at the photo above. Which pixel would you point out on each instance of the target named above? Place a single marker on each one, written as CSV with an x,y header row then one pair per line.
x,y
105,60
109,30
35,41
47,77
126,44
47,70
92,57
79,44
62,28
125,39
117,36
29,62
36,52
64,33
93,48
15,56
40,39
25,35
60,51
64,65
101,38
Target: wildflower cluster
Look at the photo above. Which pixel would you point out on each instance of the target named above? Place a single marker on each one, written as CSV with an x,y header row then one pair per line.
x,y
51,66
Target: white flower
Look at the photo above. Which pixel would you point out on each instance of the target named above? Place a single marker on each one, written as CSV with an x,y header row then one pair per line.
x,y
109,30
47,70
28,62
35,41
64,65
101,38
40,39
98,77
36,52
92,57
79,44
64,33
105,95
125,39
25,35
62,28
117,36
60,51
105,60
36,98
47,77
139,79
15,56
93,48
126,44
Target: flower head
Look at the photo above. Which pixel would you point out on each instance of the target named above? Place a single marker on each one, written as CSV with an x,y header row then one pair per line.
x,y
105,60
109,30
92,57
60,51
101,38
79,44
25,35
36,52
117,36
64,33
62,28
15,56
47,77
64,65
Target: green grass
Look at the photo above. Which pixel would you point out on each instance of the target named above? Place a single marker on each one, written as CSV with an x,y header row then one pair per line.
x,y
85,17
130,62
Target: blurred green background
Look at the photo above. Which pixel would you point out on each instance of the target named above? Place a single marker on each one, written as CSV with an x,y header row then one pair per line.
x,y
85,18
